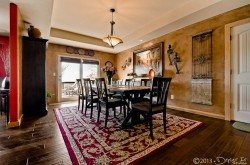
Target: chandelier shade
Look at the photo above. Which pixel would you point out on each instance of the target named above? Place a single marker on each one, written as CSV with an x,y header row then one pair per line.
x,y
111,39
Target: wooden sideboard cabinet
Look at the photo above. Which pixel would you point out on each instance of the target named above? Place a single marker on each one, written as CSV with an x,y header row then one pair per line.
x,y
33,76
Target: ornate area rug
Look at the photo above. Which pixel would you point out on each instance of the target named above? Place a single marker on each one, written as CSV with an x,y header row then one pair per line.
x,y
90,143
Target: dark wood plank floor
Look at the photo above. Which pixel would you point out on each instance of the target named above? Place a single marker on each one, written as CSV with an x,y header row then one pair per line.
x,y
39,141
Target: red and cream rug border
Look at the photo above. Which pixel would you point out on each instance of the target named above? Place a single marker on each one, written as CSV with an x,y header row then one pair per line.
x,y
77,156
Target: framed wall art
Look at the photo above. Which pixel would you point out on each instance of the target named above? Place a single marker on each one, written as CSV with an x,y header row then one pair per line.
x,y
148,58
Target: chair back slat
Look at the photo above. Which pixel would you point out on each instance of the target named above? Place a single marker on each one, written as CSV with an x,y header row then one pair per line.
x,y
79,86
88,87
92,82
101,89
159,89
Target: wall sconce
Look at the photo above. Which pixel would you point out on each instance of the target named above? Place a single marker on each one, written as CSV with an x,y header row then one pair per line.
x,y
175,59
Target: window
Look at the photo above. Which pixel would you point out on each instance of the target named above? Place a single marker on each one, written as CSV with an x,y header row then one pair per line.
x,y
74,68
90,69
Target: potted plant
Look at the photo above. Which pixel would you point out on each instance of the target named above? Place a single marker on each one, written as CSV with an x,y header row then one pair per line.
x,y
49,96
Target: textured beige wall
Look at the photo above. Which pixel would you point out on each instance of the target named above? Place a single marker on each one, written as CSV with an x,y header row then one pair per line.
x,y
181,41
52,53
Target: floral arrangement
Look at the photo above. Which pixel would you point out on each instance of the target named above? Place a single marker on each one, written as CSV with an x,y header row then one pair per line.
x,y
109,71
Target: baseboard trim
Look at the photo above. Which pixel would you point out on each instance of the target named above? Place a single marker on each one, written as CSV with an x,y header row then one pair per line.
x,y
208,114
16,123
20,120
65,102
13,124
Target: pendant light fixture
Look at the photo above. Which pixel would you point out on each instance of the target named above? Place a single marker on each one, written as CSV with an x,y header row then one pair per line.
x,y
111,39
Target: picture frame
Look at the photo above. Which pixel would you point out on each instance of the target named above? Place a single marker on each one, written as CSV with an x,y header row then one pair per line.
x,y
148,58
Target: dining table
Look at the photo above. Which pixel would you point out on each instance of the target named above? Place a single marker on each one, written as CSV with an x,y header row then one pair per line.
x,y
130,94
4,93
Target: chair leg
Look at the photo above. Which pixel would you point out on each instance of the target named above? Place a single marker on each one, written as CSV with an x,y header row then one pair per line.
x,y
82,104
86,105
99,111
114,109
124,110
151,127
91,113
106,118
164,122
5,104
146,118
78,103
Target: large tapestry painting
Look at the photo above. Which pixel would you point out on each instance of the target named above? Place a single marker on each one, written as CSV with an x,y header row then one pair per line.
x,y
149,58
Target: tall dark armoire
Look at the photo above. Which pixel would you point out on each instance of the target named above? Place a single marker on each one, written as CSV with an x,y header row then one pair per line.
x,y
33,76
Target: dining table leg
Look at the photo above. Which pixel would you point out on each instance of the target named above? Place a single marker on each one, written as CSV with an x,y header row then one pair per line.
x,y
128,116
133,115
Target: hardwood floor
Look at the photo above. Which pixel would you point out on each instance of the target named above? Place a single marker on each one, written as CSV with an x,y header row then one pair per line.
x,y
39,141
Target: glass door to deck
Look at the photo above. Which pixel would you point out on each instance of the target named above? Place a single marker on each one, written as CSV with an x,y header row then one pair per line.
x,y
71,69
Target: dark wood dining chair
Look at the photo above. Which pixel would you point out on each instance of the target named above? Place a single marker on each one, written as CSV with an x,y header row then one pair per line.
x,y
80,93
105,101
92,82
129,82
4,103
117,82
90,96
156,103
146,82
